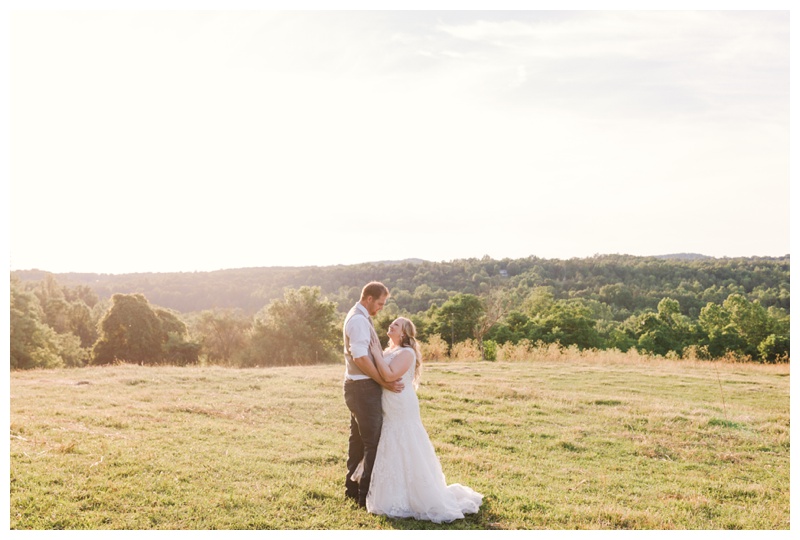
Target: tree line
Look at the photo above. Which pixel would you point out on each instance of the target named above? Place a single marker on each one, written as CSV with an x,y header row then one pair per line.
x,y
701,306
52,326
625,283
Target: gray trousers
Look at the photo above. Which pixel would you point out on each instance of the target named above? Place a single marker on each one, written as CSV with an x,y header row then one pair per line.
x,y
363,398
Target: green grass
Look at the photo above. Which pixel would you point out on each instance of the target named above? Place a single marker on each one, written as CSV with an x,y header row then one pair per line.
x,y
552,445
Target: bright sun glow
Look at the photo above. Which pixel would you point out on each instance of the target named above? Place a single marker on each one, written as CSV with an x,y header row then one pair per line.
x,y
202,140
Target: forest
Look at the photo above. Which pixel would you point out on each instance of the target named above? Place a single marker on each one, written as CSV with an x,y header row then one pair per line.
x,y
670,306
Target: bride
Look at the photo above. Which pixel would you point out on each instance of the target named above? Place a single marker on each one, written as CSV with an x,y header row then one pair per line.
x,y
407,478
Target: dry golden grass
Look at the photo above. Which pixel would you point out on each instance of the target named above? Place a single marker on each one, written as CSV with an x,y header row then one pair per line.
x,y
592,441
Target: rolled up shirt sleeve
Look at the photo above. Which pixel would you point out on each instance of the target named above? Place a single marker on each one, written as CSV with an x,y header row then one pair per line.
x,y
358,331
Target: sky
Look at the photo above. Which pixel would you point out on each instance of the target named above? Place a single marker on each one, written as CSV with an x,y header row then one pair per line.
x,y
184,140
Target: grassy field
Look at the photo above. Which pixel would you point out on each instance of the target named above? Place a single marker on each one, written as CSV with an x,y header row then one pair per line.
x,y
577,444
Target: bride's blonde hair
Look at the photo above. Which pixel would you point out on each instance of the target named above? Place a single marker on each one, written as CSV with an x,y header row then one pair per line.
x,y
409,339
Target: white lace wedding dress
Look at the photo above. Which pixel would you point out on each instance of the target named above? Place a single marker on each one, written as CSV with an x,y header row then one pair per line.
x,y
407,478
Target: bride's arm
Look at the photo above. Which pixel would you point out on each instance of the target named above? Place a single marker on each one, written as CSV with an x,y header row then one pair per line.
x,y
398,367
366,365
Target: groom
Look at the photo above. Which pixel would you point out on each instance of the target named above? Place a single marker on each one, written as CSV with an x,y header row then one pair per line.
x,y
362,387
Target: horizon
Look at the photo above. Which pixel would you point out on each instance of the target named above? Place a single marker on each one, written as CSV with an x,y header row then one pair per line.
x,y
231,139
686,256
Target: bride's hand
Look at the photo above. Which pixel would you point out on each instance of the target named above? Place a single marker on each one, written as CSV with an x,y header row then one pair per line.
x,y
376,351
394,386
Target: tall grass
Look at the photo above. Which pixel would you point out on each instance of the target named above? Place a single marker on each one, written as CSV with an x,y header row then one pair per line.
x,y
526,351
555,441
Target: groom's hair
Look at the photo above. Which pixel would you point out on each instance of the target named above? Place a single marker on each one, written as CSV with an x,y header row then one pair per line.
x,y
375,289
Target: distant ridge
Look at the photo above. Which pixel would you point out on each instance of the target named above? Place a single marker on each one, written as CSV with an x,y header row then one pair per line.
x,y
683,256
404,261
36,274
417,284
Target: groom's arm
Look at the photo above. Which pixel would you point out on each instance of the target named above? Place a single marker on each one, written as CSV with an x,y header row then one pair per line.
x,y
401,363
366,366
376,353
360,333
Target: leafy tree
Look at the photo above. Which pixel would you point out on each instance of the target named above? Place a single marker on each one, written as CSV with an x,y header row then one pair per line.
x,y
71,351
223,334
745,327
774,348
55,308
539,301
132,331
170,324
749,320
422,325
33,343
297,330
616,335
57,314
81,293
83,324
566,322
515,326
68,310
618,295
180,352
721,335
665,331
457,319
176,348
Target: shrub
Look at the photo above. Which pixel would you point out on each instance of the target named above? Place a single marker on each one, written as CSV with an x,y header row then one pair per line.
x,y
435,348
489,350
774,349
466,350
518,352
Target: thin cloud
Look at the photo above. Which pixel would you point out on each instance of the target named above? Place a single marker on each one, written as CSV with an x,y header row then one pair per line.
x,y
557,134
685,63
490,31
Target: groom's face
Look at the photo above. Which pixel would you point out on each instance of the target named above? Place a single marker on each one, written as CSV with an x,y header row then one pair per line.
x,y
374,305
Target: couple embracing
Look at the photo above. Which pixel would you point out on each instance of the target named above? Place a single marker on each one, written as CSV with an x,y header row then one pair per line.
x,y
392,468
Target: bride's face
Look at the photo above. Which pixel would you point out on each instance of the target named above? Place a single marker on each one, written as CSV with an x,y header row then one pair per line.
x,y
395,332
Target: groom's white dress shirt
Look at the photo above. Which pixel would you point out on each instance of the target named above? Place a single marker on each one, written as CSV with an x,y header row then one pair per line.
x,y
358,332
